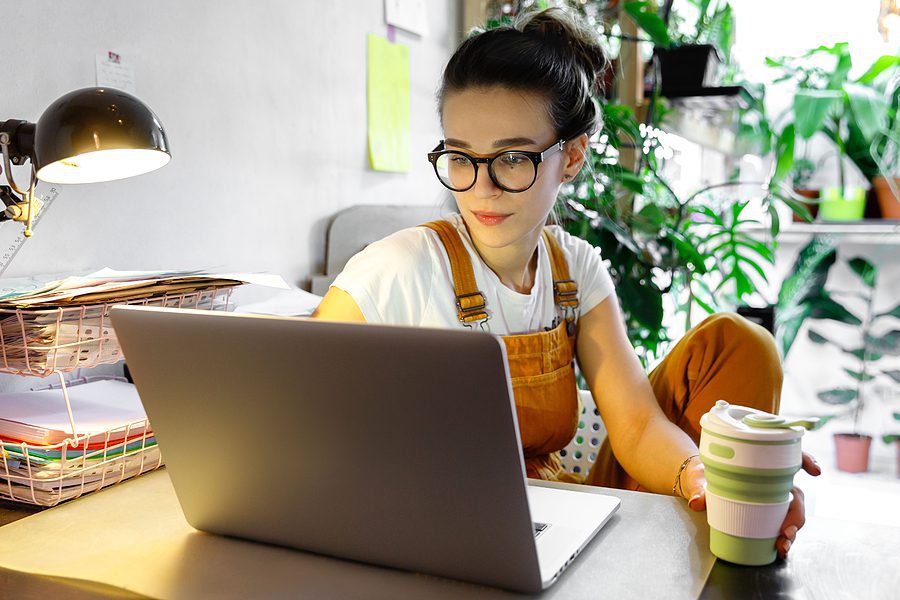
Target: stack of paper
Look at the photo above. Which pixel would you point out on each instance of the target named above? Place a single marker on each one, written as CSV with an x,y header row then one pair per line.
x,y
97,407
43,462
60,325
108,285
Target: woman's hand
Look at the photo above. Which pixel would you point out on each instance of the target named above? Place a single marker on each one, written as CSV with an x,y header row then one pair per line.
x,y
796,515
693,485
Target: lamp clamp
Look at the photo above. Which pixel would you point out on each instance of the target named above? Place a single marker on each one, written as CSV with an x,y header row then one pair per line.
x,y
18,137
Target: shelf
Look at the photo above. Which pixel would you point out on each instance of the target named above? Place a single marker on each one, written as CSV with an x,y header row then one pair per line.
x,y
873,232
705,99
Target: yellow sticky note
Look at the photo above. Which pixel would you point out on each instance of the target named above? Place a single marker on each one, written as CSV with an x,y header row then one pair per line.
x,y
388,95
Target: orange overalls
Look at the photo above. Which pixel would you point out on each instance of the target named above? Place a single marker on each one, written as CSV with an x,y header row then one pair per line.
x,y
541,365
724,357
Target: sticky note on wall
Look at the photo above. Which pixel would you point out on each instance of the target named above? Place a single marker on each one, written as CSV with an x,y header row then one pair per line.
x,y
388,105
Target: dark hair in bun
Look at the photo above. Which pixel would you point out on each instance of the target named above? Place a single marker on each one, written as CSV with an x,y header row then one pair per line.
x,y
546,52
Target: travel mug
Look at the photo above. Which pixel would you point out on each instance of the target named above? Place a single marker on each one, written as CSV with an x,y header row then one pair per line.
x,y
749,474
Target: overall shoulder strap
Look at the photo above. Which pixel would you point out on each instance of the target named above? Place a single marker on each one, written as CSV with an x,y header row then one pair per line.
x,y
565,290
470,302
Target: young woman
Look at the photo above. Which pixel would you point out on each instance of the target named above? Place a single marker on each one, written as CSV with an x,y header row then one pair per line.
x,y
516,109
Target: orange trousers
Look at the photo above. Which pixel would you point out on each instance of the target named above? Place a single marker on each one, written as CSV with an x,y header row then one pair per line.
x,y
726,357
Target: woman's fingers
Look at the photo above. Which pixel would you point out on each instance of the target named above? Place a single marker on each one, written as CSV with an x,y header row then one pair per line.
x,y
810,465
694,485
795,519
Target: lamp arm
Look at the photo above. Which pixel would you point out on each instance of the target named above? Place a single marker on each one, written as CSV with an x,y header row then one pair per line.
x,y
17,145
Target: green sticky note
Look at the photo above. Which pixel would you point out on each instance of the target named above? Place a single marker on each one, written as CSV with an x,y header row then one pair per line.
x,y
388,95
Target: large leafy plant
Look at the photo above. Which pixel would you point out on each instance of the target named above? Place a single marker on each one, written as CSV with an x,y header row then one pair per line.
x,y
858,116
695,250
804,296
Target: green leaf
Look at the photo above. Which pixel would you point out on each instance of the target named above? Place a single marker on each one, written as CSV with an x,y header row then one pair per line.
x,y
878,67
869,109
800,208
807,280
644,15
811,107
816,338
895,375
859,375
709,309
890,438
784,150
866,270
643,301
837,396
894,312
810,271
631,182
864,354
774,220
825,307
688,251
622,235
888,343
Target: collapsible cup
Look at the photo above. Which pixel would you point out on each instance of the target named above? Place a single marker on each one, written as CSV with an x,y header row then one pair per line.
x,y
750,458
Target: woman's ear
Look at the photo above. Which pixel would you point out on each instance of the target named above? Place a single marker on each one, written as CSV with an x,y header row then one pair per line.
x,y
575,153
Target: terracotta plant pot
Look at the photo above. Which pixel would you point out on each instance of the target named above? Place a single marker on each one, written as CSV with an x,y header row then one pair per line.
x,y
852,452
890,205
813,208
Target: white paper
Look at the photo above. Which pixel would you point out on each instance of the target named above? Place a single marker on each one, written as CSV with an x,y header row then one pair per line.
x,y
97,406
409,15
114,72
292,303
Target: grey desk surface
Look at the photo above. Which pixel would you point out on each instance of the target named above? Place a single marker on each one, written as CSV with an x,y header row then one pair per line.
x,y
132,540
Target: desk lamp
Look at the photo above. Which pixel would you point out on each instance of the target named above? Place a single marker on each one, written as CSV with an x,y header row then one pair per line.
x,y
89,135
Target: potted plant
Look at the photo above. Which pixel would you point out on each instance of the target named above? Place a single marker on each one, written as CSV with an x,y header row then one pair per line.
x,y
690,45
801,173
858,116
803,296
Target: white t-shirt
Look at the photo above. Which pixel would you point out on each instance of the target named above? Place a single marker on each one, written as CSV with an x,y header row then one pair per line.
x,y
405,279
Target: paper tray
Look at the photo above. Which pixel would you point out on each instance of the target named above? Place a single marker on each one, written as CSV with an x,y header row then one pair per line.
x,y
42,342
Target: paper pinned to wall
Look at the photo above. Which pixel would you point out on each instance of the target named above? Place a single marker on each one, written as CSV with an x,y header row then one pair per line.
x,y
407,14
388,105
114,72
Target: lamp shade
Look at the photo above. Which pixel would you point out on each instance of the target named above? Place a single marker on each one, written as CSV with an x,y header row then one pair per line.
x,y
98,134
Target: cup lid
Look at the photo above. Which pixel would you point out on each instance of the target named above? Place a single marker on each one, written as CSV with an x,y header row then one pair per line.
x,y
728,420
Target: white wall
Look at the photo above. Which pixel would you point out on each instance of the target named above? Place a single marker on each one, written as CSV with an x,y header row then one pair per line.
x,y
264,104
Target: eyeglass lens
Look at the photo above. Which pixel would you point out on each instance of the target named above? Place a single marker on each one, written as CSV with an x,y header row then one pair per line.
x,y
511,170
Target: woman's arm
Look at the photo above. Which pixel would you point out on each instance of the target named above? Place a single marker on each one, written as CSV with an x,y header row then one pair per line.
x,y
644,441
338,305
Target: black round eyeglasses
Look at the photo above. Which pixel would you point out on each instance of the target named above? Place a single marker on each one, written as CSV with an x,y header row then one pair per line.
x,y
511,171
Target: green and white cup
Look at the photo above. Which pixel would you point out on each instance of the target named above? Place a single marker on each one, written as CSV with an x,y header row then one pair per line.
x,y
749,474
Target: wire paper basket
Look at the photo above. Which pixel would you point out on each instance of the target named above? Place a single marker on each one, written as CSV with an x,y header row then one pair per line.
x,y
46,475
41,342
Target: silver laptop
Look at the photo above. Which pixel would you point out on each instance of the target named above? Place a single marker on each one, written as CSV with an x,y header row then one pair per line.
x,y
388,445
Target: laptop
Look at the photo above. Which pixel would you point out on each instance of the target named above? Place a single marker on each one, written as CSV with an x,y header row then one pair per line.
x,y
388,445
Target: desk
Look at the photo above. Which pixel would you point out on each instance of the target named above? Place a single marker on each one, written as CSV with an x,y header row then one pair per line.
x,y
133,537
652,548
